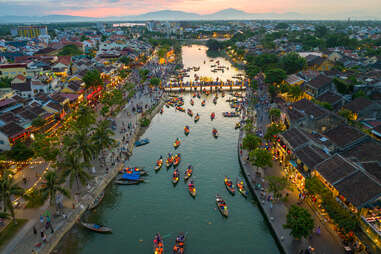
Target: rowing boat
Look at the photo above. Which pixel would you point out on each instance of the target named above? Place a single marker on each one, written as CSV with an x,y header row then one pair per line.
x,y
196,118
215,133
188,172
222,207
189,112
212,116
140,171
159,163
192,189
186,130
158,244
142,142
169,160
175,176
96,227
176,144
192,102
241,188
97,201
229,185
176,160
203,103
179,244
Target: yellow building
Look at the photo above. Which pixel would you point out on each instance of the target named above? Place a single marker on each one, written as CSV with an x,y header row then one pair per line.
x,y
30,31
12,70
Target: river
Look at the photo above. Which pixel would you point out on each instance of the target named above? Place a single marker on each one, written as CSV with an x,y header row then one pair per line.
x,y
135,213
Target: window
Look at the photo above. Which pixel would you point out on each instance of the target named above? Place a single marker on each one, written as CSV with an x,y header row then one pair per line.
x,y
1,142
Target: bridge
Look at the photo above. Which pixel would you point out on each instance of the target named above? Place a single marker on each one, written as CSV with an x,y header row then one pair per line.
x,y
201,85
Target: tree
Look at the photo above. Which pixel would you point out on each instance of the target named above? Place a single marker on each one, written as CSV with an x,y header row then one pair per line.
x,y
294,93
277,184
342,86
8,190
155,81
75,169
70,50
125,60
251,142
143,73
272,131
52,186
321,31
214,45
92,79
300,222
274,114
276,75
347,114
282,26
20,152
261,158
84,116
81,144
292,63
102,136
38,122
5,82
45,147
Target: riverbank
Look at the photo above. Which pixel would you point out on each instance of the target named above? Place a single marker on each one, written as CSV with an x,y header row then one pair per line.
x,y
101,182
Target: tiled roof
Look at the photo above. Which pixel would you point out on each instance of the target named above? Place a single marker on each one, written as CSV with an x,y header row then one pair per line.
x,y
373,168
358,104
295,137
344,135
359,188
311,155
11,129
369,151
320,81
330,97
335,168
309,108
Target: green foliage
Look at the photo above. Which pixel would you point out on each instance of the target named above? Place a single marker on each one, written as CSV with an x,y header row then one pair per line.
x,y
263,61
340,39
105,110
292,63
92,78
9,189
75,169
276,75
81,144
5,82
52,186
154,81
251,142
102,136
295,92
144,122
83,38
282,26
20,152
70,50
324,104
342,86
123,74
274,114
261,158
4,215
273,130
125,60
321,31
346,221
38,122
299,221
143,73
45,147
359,93
84,117
277,185
214,45
35,199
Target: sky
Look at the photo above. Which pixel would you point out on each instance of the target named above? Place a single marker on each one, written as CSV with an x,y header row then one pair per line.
x,y
106,8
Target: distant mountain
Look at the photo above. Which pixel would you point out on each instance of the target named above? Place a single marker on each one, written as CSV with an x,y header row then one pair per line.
x,y
226,14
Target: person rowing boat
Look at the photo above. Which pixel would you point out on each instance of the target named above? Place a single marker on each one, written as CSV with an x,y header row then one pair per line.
x,y
212,116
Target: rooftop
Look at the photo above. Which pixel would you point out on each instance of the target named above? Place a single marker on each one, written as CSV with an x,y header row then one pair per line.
x,y
320,81
295,137
11,129
330,97
311,155
309,108
369,151
335,168
373,168
358,104
344,135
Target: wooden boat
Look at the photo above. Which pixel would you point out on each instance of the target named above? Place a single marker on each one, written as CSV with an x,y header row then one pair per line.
x,y
192,102
176,160
203,103
222,207
237,125
186,130
229,185
215,100
140,171
158,244
177,143
179,244
161,111
198,95
215,133
196,118
159,163
169,160
96,227
188,172
241,188
180,108
142,142
189,112
175,176
97,201
192,189
212,116
194,96
122,181
230,114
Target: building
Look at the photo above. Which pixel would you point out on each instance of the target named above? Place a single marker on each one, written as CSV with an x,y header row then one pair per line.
x,y
12,70
364,109
29,31
318,86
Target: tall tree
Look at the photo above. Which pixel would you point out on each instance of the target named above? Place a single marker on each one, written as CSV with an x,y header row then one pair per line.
x,y
81,144
92,79
52,186
9,189
102,136
277,184
276,76
292,63
274,114
251,142
75,169
84,116
299,221
45,147
261,158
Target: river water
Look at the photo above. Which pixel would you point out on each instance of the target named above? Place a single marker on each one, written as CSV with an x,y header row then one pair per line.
x,y
135,213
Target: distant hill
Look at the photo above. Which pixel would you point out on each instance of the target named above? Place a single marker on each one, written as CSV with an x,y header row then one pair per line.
x,y
226,14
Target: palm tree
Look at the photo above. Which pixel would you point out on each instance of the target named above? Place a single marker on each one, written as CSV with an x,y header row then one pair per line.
x,y
84,116
75,168
9,189
261,158
82,144
51,186
102,136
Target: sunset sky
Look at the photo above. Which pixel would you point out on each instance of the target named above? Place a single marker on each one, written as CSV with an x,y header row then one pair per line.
x,y
104,8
